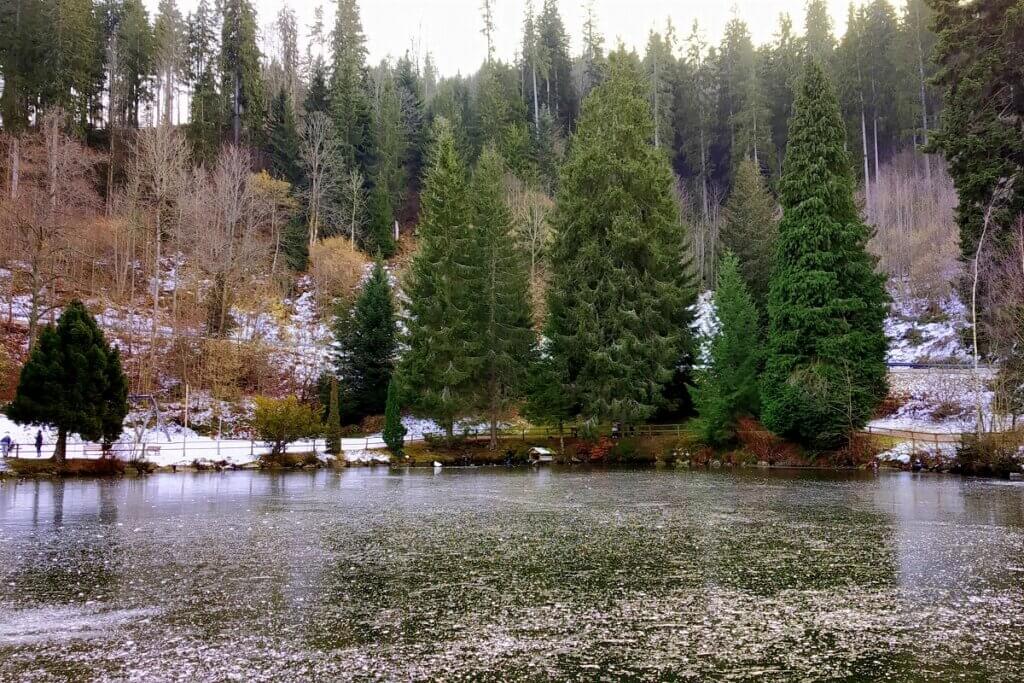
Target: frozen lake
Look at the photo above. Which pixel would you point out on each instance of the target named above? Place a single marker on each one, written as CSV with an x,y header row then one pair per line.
x,y
522,575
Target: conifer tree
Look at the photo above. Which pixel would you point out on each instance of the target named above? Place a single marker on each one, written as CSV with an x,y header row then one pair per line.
x,y
368,340
283,141
317,95
726,388
72,381
619,292
751,228
506,334
241,79
333,423
350,109
825,370
378,238
394,431
440,369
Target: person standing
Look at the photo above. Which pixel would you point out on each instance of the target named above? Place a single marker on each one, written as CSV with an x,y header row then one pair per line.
x,y
39,443
5,444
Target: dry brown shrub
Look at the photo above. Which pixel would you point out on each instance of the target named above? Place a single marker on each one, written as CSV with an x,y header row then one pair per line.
x,y
337,269
764,445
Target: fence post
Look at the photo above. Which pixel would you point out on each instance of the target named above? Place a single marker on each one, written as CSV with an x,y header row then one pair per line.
x,y
252,448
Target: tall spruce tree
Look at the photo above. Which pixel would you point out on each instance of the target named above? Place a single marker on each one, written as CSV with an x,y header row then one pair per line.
x,y
726,388
751,228
825,371
350,110
241,79
980,135
283,140
368,348
73,382
619,293
506,332
439,371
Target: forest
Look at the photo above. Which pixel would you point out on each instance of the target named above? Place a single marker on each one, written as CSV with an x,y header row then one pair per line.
x,y
250,208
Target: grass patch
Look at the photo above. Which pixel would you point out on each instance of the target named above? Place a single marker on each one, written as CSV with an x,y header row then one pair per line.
x,y
75,467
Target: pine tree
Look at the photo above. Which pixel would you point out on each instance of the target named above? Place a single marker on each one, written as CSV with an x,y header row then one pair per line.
x,y
440,368
241,79
135,48
825,371
317,95
72,381
619,293
394,431
205,119
819,41
751,228
368,341
73,59
378,239
980,135
726,388
283,141
350,109
506,334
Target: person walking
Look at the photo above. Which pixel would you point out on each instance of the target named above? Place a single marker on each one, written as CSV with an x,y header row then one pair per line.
x,y
5,444
39,443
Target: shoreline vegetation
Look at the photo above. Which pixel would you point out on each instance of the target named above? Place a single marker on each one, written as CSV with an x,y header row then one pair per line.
x,y
757,450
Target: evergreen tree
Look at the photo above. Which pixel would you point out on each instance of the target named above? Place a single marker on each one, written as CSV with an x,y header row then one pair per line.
x,y
557,91
619,292
980,135
378,239
394,431
506,334
241,79
781,68
72,381
660,68
205,120
751,228
726,387
135,48
819,41
333,423
350,109
317,95
440,369
73,60
283,141
594,65
825,370
22,62
368,340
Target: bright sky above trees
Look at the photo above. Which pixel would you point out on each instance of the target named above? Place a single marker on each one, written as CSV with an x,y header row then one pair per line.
x,y
450,29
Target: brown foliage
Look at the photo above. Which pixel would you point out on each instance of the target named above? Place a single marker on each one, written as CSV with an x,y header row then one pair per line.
x,y
337,269
764,445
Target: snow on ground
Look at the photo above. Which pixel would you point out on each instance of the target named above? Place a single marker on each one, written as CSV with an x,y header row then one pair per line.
x,y
176,446
920,331
937,400
906,451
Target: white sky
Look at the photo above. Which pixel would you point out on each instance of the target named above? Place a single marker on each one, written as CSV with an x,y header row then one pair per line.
x,y
450,29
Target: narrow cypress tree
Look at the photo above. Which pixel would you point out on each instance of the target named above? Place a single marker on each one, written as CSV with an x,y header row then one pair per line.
x,y
825,371
368,340
506,333
751,228
333,419
72,381
617,323
726,388
440,368
394,430
283,141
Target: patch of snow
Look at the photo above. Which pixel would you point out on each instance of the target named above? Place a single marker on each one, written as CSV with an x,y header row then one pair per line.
x,y
919,331
705,326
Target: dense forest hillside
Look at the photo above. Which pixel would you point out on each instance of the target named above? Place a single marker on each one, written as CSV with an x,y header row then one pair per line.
x,y
220,206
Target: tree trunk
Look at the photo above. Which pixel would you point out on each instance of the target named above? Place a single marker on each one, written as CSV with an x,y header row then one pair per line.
x,y
60,450
536,101
875,135
864,140
15,163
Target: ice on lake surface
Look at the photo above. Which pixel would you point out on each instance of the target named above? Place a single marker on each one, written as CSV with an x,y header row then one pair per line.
x,y
514,575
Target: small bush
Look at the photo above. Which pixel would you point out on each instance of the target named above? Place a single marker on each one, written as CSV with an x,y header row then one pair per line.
x,y
372,424
990,454
948,409
337,268
279,422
